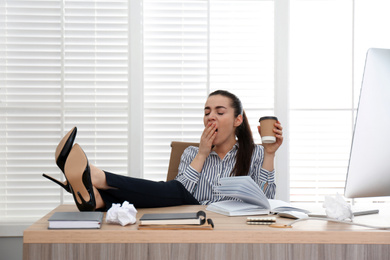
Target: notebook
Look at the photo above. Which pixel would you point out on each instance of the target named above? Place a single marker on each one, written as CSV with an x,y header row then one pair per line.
x,y
76,220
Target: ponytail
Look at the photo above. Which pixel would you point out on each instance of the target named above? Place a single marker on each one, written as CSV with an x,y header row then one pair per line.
x,y
245,148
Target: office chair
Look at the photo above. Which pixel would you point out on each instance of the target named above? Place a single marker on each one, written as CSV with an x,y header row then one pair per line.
x,y
177,149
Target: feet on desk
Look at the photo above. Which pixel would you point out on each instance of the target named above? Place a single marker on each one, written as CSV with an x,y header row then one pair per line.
x,y
73,163
77,172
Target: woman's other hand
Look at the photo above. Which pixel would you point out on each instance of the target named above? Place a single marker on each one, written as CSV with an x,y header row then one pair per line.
x,y
271,148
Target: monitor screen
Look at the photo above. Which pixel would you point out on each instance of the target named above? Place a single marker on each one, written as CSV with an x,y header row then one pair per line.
x,y
369,163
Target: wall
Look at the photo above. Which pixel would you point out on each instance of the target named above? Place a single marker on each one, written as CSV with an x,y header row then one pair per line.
x,y
11,248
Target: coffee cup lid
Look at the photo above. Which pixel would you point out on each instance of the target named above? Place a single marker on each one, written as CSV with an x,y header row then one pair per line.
x,y
268,117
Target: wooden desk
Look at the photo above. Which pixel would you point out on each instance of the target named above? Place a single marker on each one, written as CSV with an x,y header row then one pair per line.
x,y
232,238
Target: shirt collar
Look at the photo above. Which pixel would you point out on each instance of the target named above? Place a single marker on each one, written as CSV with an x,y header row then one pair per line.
x,y
234,148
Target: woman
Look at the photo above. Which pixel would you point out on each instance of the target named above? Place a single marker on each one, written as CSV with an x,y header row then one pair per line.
x,y
226,149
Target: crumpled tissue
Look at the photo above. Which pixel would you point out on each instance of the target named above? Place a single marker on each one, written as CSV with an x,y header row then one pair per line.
x,y
337,208
123,215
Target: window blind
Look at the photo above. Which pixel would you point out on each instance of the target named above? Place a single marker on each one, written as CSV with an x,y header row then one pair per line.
x,y
175,78
321,98
30,98
327,60
242,54
192,48
64,64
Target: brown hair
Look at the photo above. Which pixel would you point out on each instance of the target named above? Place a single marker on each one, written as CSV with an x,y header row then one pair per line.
x,y
243,133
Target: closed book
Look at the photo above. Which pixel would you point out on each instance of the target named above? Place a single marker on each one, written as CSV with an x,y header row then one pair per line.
x,y
193,218
76,220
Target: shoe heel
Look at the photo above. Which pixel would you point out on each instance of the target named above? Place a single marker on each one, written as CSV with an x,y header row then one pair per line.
x,y
64,185
86,205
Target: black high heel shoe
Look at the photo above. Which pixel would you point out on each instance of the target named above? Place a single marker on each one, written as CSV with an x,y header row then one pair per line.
x,y
61,154
78,174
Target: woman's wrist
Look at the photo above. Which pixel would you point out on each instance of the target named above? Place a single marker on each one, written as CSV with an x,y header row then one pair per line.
x,y
197,163
269,154
268,162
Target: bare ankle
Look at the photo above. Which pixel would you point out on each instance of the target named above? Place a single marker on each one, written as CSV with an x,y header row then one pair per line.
x,y
98,178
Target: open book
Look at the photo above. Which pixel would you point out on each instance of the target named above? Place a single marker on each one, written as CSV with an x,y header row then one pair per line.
x,y
252,200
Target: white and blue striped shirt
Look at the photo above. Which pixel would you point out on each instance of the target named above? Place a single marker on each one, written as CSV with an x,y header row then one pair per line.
x,y
201,185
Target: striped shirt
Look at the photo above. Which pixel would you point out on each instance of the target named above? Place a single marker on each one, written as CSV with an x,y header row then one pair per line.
x,y
201,185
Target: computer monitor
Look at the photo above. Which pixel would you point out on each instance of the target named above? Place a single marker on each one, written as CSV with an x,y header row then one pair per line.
x,y
369,163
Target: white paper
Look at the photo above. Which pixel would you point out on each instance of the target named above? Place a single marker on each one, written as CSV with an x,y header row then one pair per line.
x,y
337,208
123,215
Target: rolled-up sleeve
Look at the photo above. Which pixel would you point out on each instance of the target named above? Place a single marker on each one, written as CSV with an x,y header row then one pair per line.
x,y
187,175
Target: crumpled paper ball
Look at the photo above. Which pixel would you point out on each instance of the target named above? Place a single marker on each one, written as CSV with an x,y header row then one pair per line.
x,y
337,208
123,215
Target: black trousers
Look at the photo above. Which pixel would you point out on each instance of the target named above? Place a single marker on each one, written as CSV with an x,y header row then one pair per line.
x,y
145,193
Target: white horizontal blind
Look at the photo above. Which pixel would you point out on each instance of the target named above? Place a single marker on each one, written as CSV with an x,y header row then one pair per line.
x,y
175,78
327,60
242,54
64,64
192,48
320,97
30,105
96,79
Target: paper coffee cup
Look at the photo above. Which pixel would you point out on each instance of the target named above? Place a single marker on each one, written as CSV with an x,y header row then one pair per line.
x,y
267,124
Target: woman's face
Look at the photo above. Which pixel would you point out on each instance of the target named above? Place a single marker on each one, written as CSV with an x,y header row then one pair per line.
x,y
218,110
